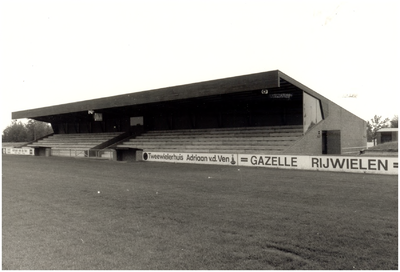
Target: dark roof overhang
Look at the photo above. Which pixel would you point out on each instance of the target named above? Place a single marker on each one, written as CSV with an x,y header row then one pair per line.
x,y
200,90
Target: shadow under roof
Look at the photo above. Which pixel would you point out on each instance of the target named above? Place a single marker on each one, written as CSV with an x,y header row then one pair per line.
x,y
270,79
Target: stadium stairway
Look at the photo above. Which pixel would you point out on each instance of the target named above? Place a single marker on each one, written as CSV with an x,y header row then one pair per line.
x,y
245,140
76,144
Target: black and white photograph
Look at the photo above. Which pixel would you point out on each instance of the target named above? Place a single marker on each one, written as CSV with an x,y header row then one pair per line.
x,y
199,134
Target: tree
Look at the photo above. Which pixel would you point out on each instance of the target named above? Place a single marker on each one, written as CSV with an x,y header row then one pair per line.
x,y
19,132
374,125
16,132
37,129
394,123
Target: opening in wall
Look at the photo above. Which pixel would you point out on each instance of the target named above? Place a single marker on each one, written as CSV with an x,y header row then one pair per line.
x,y
331,143
136,121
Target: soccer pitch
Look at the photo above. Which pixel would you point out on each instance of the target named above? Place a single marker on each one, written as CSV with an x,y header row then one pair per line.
x,y
65,213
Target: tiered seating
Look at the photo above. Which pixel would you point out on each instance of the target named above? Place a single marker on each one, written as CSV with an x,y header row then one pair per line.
x,y
74,144
246,140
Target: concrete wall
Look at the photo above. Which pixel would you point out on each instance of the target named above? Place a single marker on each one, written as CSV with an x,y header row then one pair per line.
x,y
352,130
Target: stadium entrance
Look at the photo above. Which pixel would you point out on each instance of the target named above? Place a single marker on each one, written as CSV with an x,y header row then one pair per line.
x,y
331,142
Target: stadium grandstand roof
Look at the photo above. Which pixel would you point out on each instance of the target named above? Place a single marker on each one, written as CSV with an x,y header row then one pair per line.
x,y
200,90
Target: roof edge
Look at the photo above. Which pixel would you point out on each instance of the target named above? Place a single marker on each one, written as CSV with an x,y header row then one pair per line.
x,y
227,85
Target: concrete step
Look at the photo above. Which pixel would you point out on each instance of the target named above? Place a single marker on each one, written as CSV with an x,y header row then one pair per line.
x,y
236,151
63,144
230,134
216,139
69,142
66,147
217,130
105,134
76,139
214,149
227,133
209,146
255,140
282,136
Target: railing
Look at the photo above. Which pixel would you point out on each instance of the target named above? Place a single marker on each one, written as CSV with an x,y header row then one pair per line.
x,y
106,154
353,150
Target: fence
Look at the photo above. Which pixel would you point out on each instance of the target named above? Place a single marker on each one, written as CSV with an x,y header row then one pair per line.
x,y
106,154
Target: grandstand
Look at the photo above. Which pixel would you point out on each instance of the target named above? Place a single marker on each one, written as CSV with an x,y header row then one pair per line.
x,y
76,144
245,140
263,113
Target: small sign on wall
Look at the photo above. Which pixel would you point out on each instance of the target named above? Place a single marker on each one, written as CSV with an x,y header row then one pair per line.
x,y
98,116
136,121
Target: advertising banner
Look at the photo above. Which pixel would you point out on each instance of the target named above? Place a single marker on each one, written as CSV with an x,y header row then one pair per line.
x,y
18,151
199,158
371,165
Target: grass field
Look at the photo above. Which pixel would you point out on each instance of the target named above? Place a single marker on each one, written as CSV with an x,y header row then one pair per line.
x,y
65,213
386,146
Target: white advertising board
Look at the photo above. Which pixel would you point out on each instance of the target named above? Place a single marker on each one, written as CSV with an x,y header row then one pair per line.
x,y
198,158
19,151
371,165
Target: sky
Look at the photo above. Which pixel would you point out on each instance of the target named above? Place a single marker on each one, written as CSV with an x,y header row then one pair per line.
x,y
56,52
